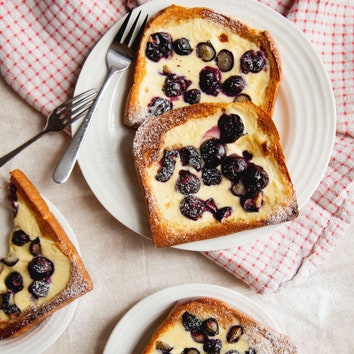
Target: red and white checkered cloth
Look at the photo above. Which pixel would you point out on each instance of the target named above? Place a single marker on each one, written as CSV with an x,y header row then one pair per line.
x,y
45,42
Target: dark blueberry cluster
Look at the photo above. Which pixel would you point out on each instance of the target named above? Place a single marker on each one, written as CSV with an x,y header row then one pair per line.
x,y
211,82
205,332
211,163
39,268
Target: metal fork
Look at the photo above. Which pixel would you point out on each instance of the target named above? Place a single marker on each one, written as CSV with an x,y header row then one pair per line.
x,y
118,58
62,116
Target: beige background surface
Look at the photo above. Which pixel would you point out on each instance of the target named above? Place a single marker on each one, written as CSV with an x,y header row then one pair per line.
x,y
318,312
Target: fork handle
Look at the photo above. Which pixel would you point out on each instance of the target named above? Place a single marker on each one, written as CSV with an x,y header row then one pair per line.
x,y
14,152
67,162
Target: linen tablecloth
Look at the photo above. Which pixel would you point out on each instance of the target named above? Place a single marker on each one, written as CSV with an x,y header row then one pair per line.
x,y
45,43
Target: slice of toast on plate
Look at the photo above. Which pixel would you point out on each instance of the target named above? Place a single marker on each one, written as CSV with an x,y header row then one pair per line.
x,y
196,55
43,271
208,325
212,169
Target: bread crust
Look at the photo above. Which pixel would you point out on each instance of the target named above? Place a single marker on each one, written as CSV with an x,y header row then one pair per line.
x,y
261,337
148,150
178,15
80,281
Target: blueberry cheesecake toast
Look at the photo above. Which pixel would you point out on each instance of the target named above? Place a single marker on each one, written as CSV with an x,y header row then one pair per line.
x,y
210,326
212,169
42,271
196,55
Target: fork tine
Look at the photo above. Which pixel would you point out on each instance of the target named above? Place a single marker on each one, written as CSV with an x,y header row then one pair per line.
x,y
80,112
132,29
78,97
77,114
123,26
84,106
137,39
67,107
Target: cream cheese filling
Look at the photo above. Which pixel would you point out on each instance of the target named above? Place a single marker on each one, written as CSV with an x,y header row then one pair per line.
x,y
197,31
25,221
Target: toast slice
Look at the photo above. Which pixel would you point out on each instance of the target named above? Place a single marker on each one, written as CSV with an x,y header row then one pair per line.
x,y
196,55
212,169
209,325
43,271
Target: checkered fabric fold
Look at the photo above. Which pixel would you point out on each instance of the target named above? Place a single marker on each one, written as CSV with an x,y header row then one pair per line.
x,y
44,44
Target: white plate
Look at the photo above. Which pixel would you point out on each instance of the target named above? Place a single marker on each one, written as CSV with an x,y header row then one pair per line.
x,y
136,327
304,114
43,335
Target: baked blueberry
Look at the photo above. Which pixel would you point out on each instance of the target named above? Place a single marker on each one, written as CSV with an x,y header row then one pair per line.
x,y
167,165
234,334
35,247
211,176
192,207
190,156
14,282
209,80
182,46
159,47
199,336
40,268
252,61
191,322
8,306
233,166
205,51
225,60
256,178
231,127
187,183
158,106
212,152
233,85
211,326
212,346
19,238
175,85
252,202
190,351
39,288
192,96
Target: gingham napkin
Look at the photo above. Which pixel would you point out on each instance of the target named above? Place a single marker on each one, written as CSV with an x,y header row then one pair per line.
x,y
44,43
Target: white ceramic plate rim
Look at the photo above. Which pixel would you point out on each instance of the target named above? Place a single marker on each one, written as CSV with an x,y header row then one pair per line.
x,y
304,114
137,325
41,337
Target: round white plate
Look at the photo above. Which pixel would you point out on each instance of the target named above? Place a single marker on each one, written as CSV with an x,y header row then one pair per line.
x,y
136,327
304,114
43,335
